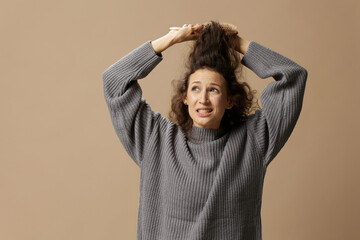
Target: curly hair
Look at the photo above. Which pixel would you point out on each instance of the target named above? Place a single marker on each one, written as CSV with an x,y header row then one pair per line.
x,y
214,50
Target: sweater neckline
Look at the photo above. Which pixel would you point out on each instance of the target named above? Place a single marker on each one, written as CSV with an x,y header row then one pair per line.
x,y
199,135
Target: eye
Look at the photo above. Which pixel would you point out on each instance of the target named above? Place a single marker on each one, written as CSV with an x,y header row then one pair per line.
x,y
214,90
194,88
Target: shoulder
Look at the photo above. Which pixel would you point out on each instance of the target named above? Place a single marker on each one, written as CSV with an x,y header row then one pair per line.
x,y
166,128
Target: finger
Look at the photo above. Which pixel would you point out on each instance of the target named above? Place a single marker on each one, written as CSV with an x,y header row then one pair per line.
x,y
174,28
198,29
199,26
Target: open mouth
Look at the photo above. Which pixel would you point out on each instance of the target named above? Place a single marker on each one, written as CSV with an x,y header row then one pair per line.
x,y
207,110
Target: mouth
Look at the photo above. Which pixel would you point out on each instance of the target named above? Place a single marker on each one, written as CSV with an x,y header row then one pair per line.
x,y
204,110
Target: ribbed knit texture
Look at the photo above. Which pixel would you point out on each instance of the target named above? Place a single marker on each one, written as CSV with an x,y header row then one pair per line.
x,y
209,186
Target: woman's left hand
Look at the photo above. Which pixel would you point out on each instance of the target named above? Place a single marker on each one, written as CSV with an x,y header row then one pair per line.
x,y
186,33
241,44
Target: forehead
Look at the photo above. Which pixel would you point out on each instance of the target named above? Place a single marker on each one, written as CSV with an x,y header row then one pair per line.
x,y
206,76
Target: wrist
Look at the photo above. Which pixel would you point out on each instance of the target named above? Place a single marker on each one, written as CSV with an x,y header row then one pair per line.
x,y
244,45
241,45
169,40
161,44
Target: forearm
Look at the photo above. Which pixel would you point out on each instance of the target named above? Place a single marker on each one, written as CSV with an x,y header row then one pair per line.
x,y
281,100
137,64
161,44
129,113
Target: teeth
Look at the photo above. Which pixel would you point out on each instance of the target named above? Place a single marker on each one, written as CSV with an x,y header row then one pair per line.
x,y
204,111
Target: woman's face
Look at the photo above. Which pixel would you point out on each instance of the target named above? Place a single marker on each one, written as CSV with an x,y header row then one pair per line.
x,y
207,98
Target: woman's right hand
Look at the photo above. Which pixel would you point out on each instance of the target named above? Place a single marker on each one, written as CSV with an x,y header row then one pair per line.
x,y
186,33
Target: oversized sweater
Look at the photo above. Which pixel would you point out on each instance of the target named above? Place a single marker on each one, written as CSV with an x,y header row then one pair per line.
x,y
209,186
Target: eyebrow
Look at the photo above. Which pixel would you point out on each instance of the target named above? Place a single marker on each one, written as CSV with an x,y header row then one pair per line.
x,y
210,83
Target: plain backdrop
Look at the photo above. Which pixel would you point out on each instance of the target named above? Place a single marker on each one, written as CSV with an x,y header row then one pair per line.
x,y
64,173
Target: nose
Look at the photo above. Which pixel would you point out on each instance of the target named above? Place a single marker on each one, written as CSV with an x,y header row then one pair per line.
x,y
203,98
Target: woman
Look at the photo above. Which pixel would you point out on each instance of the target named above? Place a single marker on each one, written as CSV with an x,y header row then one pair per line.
x,y
202,173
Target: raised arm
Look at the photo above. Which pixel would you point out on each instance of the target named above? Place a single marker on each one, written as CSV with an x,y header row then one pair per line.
x,y
132,117
281,100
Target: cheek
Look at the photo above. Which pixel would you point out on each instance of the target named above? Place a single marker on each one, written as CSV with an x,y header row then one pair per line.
x,y
191,99
219,101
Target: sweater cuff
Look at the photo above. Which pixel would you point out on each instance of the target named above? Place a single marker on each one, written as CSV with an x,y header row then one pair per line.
x,y
149,50
255,56
159,54
144,59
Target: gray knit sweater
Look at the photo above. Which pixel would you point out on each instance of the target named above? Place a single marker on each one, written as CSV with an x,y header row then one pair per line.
x,y
207,187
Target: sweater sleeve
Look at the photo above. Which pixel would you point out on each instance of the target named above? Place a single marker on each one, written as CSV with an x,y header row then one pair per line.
x,y
131,116
281,100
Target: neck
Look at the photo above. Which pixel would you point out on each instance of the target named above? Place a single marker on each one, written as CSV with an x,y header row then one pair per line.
x,y
197,134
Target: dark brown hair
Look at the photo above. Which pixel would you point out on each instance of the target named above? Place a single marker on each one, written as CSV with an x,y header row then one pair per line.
x,y
214,50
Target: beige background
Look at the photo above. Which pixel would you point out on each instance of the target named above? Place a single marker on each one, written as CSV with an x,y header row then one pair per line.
x,y
64,173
